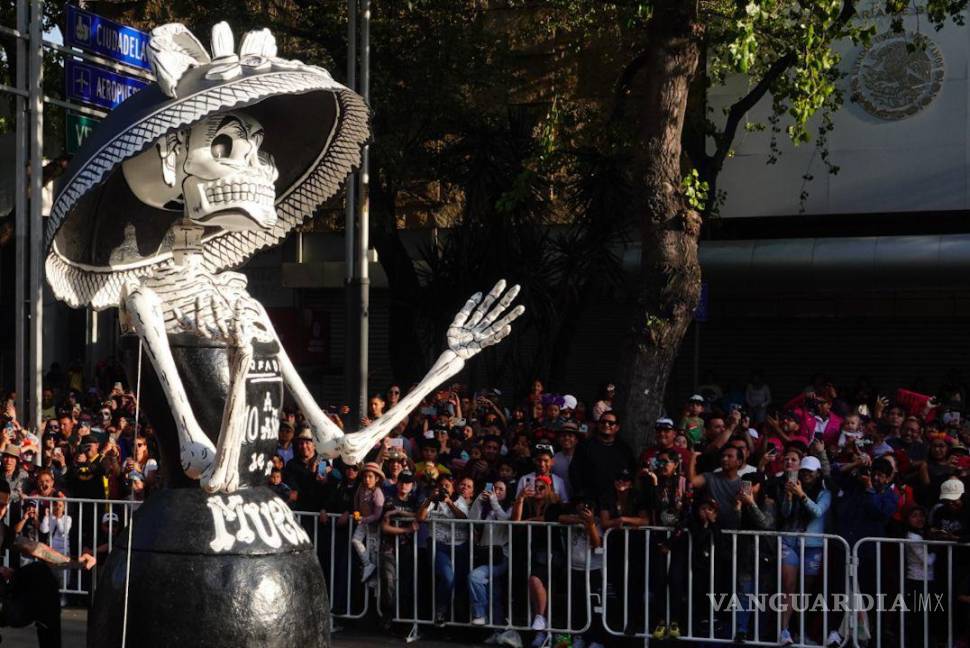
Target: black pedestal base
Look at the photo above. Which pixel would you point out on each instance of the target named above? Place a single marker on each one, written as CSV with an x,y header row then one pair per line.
x,y
183,593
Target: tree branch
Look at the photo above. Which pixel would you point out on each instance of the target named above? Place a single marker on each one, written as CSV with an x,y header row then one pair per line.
x,y
747,102
623,85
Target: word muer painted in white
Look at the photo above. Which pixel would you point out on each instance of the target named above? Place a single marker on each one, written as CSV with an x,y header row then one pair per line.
x,y
236,521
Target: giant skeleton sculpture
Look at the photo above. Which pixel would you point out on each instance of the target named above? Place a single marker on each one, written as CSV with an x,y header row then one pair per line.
x,y
184,181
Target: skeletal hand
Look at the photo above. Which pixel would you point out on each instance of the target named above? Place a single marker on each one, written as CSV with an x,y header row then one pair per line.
x,y
216,318
480,322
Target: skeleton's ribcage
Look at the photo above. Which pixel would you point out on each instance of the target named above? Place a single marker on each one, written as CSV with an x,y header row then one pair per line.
x,y
214,304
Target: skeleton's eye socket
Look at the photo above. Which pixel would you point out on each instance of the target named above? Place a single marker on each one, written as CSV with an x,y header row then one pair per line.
x,y
221,146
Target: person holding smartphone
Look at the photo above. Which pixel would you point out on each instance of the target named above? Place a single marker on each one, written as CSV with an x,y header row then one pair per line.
x,y
494,506
801,510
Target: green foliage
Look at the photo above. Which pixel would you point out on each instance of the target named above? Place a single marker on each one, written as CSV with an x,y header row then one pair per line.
x,y
695,190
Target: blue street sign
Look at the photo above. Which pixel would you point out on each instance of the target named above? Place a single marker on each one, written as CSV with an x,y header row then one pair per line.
x,y
112,40
96,86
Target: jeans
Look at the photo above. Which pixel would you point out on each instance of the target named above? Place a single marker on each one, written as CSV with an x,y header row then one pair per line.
x,y
446,575
480,581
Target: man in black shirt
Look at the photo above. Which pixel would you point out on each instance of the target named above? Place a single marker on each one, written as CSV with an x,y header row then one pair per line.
x,y
29,594
598,459
307,474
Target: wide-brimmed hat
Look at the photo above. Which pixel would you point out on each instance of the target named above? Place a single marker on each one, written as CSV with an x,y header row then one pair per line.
x,y
12,450
373,467
100,235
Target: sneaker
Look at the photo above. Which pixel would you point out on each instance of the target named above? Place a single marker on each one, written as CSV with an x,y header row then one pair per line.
x,y
369,569
539,622
834,639
741,637
674,631
540,639
785,638
479,621
660,631
510,638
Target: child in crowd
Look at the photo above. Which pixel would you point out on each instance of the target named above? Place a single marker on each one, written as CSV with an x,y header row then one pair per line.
x,y
368,506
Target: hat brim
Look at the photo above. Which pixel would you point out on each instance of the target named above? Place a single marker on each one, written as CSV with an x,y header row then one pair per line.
x,y
951,496
99,235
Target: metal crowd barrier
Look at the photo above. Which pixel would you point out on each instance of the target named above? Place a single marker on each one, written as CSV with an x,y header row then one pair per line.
x,y
910,611
347,598
418,558
724,594
626,586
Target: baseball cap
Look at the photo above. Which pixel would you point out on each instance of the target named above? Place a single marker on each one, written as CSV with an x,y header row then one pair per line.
x,y
543,449
569,402
109,517
569,426
951,489
664,423
623,474
305,434
696,398
405,478
810,463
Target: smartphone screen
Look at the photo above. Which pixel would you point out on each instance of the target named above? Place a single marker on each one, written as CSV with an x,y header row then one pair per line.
x,y
489,487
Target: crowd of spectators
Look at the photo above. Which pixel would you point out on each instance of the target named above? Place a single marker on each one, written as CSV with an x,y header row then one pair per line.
x,y
851,463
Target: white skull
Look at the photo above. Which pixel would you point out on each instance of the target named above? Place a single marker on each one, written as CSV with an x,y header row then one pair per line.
x,y
215,169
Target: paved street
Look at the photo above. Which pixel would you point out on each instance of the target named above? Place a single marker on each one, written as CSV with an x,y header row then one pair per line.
x,y
75,620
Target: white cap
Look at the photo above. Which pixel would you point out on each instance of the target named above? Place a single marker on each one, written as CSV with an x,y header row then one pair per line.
x,y
569,402
810,463
664,422
696,398
951,489
753,433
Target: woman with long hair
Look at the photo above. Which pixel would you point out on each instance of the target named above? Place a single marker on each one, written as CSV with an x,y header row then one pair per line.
x,y
538,502
493,506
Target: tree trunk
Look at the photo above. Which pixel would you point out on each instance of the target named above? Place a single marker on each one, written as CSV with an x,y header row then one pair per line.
x,y
669,286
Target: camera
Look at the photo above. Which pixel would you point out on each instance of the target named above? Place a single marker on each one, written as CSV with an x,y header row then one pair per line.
x,y
437,495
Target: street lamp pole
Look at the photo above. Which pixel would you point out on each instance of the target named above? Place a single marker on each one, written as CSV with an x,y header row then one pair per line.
x,y
350,248
357,228
363,224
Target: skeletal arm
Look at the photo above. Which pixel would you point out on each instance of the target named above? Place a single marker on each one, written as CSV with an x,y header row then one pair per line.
x,y
143,308
480,323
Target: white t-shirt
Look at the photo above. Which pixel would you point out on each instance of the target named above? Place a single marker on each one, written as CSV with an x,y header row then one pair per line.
x,y
441,512
578,546
916,552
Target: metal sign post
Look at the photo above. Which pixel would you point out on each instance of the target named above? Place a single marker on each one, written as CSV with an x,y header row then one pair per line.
x,y
36,289
20,209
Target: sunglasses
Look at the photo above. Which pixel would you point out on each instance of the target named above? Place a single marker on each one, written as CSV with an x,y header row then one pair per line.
x,y
608,423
